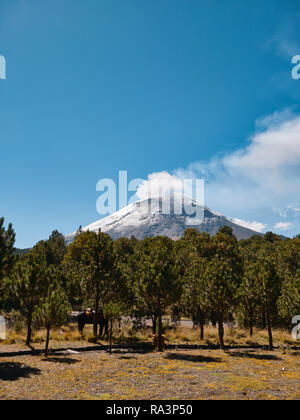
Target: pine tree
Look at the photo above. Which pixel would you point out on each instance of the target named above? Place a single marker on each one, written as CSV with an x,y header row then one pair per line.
x,y
289,301
124,249
52,310
223,276
29,282
90,266
194,282
193,254
56,249
288,262
112,312
158,277
249,297
7,258
269,284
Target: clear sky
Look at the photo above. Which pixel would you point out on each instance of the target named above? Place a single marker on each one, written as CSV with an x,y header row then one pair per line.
x,y
98,86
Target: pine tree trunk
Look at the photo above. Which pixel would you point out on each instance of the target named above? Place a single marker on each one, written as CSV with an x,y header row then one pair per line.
x,y
213,319
154,324
110,336
96,317
160,338
106,328
47,341
251,321
201,330
29,330
269,327
221,330
101,328
264,323
201,323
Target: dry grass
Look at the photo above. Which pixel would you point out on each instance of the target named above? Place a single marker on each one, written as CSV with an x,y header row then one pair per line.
x,y
67,333
175,374
139,373
233,337
182,335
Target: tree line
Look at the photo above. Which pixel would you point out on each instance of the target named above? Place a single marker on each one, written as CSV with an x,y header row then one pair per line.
x,y
218,279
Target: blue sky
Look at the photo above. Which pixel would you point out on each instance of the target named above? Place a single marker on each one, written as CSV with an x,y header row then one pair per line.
x,y
183,86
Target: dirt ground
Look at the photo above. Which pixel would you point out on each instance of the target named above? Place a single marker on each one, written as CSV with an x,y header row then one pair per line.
x,y
140,373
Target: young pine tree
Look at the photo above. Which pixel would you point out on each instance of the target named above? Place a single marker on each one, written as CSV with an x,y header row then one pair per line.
x,y
158,279
56,249
7,258
194,251
289,301
249,297
29,282
90,267
112,312
194,297
269,285
288,261
52,310
222,277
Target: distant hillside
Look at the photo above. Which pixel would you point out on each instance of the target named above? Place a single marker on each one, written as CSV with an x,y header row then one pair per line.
x,y
21,252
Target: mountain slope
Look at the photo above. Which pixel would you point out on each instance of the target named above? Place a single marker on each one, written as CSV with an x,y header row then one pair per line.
x,y
136,220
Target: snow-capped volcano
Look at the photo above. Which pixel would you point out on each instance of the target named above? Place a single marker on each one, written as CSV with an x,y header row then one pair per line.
x,y
149,218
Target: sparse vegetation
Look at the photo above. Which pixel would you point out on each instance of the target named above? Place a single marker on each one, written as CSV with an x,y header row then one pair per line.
x,y
241,294
134,371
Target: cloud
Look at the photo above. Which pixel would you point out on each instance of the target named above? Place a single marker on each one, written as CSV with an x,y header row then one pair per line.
x,y
159,184
276,119
283,225
273,149
290,208
257,226
253,181
267,170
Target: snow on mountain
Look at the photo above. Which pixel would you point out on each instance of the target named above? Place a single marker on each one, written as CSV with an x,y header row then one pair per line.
x,y
148,218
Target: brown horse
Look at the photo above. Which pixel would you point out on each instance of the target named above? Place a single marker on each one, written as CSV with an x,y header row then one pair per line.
x,y
88,317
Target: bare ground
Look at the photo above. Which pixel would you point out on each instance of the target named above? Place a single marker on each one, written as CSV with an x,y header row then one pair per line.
x,y
143,374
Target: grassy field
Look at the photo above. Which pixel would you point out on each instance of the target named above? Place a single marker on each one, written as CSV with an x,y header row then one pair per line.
x,y
188,369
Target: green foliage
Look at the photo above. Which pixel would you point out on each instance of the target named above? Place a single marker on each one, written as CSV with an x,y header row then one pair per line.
x,y
269,285
7,257
224,272
288,261
7,240
223,275
226,230
53,250
249,298
17,320
157,274
193,253
91,270
254,281
56,249
157,277
52,310
29,282
112,312
271,237
289,301
89,264
125,267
